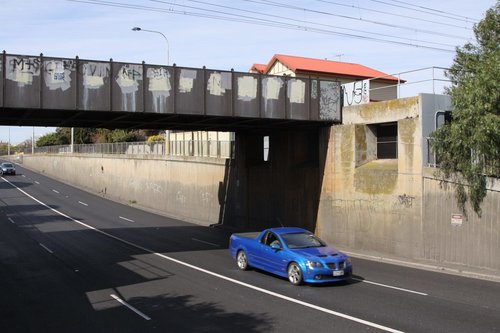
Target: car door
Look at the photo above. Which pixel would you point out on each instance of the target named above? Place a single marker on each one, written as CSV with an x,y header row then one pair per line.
x,y
271,259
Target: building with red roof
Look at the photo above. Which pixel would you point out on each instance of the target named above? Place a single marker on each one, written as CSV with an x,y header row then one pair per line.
x,y
382,86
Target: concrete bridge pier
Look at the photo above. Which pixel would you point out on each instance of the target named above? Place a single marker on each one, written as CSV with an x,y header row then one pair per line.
x,y
275,178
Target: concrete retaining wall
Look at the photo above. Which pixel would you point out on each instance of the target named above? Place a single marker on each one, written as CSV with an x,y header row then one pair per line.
x,y
185,189
449,237
396,208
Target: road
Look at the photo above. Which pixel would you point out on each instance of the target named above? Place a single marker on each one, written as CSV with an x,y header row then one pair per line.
x,y
71,261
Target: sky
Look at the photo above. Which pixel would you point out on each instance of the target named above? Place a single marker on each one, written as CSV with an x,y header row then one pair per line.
x,y
392,36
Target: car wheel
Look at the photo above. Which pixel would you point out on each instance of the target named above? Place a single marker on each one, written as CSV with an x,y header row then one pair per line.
x,y
241,260
295,274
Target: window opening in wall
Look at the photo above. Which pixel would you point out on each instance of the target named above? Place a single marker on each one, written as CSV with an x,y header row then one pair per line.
x,y
387,140
266,148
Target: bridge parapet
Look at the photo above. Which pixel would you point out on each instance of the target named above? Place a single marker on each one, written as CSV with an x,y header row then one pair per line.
x,y
127,95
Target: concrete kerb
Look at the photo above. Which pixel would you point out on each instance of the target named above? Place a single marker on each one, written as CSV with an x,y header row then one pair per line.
x,y
451,269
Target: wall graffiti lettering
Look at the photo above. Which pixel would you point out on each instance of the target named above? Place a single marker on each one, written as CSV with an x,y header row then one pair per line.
x,y
180,197
159,81
206,197
128,78
405,200
156,188
159,86
94,74
25,64
359,205
130,73
22,69
356,93
57,73
329,102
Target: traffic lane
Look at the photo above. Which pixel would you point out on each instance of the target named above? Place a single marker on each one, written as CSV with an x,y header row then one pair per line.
x,y
171,295
105,215
453,288
108,214
39,294
214,300
53,242
177,244
405,311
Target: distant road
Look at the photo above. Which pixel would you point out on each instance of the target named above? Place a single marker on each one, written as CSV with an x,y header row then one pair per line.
x,y
71,261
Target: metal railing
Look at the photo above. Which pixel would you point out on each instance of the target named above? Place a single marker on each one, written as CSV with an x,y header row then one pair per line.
x,y
423,80
431,80
198,148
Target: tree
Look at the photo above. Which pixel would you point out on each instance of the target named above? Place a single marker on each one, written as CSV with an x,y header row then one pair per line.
x,y
468,148
3,148
156,138
49,139
119,135
62,136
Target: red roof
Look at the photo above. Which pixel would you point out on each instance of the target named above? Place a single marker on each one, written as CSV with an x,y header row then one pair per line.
x,y
261,68
327,67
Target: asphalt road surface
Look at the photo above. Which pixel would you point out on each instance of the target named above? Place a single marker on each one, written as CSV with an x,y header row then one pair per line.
x,y
71,261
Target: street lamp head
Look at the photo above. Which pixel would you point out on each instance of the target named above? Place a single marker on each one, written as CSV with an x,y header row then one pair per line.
x,y
156,32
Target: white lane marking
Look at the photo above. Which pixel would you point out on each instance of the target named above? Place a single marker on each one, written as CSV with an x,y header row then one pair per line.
x,y
262,290
11,220
55,191
83,203
37,182
46,248
23,176
130,307
205,242
126,219
392,287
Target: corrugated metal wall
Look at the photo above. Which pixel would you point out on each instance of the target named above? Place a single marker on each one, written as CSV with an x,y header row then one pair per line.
x,y
475,242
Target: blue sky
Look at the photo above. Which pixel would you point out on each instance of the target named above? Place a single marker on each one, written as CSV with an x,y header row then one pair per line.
x,y
412,33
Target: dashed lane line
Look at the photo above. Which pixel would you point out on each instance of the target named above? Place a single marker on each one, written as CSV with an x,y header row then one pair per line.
x,y
46,248
119,300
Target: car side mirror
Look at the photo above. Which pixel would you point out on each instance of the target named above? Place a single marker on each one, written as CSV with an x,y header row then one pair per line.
x,y
276,246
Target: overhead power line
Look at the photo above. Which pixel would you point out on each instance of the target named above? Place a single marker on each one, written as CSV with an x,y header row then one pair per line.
x,y
428,10
314,23
393,14
225,16
391,25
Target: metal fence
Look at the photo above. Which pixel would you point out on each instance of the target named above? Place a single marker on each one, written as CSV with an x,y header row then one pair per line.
x,y
207,148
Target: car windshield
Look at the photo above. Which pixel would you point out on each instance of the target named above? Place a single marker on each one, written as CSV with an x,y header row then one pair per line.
x,y
7,165
302,240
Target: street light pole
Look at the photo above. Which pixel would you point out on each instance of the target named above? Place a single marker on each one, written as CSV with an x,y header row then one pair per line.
x,y
33,142
8,145
157,32
167,132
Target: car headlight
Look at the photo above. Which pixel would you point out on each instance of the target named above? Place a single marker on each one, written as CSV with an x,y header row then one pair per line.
x,y
313,264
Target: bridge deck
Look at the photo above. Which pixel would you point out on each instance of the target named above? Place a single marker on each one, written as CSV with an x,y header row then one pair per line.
x,y
62,92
